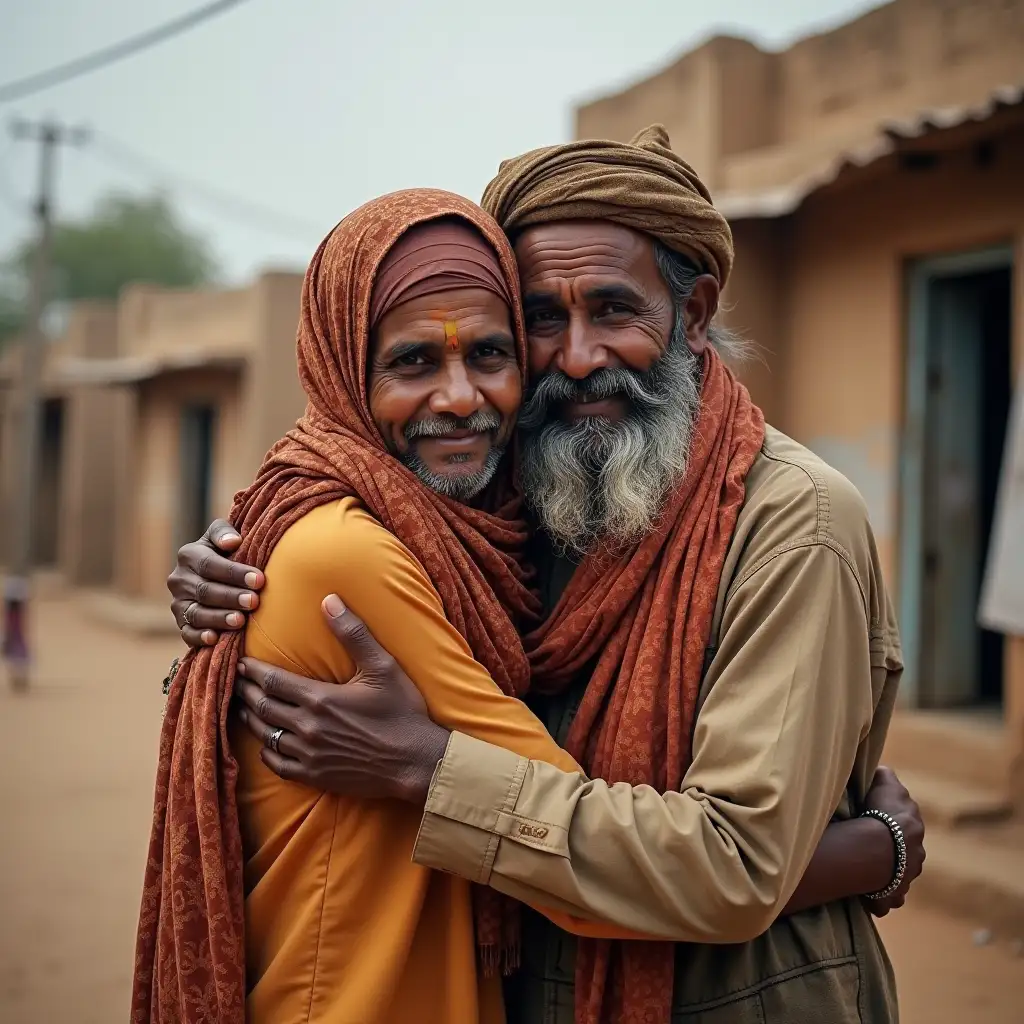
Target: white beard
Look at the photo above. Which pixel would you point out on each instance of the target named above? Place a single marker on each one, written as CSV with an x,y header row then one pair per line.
x,y
596,480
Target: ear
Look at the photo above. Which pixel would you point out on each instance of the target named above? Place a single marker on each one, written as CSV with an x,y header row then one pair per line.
x,y
699,311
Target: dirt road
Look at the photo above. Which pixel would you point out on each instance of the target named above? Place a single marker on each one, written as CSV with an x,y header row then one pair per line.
x,y
76,772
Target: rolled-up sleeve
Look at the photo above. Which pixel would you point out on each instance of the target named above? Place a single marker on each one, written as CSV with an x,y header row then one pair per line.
x,y
789,701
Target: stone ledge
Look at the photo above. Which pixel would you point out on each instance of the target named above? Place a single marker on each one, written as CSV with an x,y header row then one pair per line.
x,y
951,804
977,874
960,747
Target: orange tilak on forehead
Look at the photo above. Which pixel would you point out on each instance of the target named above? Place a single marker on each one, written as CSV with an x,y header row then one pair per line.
x,y
451,335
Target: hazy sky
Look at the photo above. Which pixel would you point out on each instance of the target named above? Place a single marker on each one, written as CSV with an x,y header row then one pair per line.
x,y
310,107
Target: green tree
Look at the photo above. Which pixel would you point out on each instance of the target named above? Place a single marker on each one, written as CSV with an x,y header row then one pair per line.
x,y
12,304
125,239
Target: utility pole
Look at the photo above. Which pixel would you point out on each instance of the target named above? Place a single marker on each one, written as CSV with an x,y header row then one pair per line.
x,y
22,490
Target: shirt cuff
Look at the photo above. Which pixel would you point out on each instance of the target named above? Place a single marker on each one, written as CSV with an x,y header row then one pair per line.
x,y
470,808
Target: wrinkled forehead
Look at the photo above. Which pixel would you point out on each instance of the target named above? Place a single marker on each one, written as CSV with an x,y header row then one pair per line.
x,y
563,253
447,312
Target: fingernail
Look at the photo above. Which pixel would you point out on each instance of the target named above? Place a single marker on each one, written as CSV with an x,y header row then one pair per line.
x,y
247,600
252,579
231,537
243,715
333,606
241,668
209,637
235,619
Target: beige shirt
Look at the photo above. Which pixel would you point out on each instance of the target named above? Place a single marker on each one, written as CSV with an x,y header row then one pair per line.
x,y
791,721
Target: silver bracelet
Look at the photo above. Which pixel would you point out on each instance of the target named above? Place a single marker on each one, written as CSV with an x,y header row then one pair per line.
x,y
901,853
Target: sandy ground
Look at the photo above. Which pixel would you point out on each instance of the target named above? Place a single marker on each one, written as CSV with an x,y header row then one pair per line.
x,y
76,772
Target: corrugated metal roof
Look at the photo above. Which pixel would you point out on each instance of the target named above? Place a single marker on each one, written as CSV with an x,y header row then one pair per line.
x,y
778,202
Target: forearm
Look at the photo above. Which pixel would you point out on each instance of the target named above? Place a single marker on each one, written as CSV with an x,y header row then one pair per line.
x,y
715,862
667,865
854,858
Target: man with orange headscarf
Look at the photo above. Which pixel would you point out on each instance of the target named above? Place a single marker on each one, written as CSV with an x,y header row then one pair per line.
x,y
719,651
392,489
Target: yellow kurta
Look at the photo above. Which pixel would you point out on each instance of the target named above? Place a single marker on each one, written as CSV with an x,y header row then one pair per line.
x,y
341,925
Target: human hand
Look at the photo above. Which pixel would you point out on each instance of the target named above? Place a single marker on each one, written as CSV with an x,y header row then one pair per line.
x,y
888,794
369,738
204,583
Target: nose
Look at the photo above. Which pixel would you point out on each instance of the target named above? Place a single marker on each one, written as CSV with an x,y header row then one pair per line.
x,y
581,353
456,393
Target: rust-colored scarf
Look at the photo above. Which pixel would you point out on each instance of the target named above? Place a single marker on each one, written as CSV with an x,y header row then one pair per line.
x,y
190,962
645,615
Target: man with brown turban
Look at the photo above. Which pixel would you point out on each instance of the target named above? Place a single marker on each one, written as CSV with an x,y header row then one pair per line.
x,y
719,651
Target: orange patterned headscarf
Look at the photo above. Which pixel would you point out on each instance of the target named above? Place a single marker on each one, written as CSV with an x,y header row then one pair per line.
x,y
190,954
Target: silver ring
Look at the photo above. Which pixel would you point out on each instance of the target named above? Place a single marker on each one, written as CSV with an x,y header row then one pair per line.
x,y
188,612
274,739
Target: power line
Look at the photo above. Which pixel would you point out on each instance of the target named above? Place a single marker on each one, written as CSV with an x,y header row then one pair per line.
x,y
110,54
224,202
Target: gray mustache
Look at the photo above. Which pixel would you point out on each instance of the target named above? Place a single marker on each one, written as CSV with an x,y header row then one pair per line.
x,y
441,426
556,387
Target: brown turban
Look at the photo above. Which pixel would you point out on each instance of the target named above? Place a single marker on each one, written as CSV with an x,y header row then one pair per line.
x,y
641,184
435,257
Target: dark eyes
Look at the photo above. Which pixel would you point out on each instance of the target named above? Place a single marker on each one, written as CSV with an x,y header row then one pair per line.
x,y
613,309
488,352
411,359
484,353
544,320
539,319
